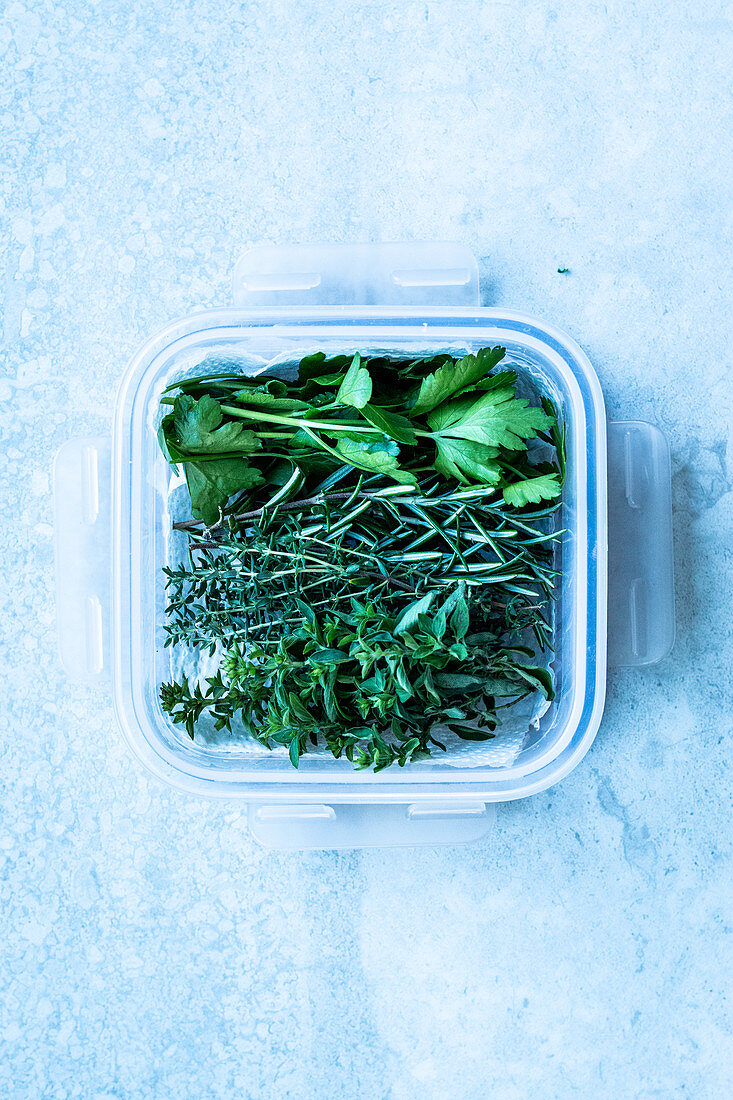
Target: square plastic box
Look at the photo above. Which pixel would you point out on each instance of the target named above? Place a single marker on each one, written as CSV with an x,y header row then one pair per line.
x,y
113,527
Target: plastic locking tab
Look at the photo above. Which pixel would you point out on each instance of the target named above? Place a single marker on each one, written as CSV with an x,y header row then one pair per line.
x,y
82,505
640,552
370,825
418,273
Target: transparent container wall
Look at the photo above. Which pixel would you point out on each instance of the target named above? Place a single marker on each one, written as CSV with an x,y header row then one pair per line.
x,y
144,525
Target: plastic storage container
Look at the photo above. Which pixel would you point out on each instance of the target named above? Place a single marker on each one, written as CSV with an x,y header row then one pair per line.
x,y
112,530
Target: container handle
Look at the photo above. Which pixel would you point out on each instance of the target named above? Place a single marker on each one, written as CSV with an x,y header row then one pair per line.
x,y
641,624
82,505
370,825
409,273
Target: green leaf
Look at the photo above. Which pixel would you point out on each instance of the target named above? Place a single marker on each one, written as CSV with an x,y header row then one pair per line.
x,y
500,685
457,681
328,657
356,388
283,737
307,612
329,698
297,708
391,423
317,365
367,439
450,602
361,733
294,752
196,428
447,380
499,381
464,459
439,625
532,490
459,619
284,489
167,446
557,433
265,383
324,380
215,380
420,367
539,677
409,616
377,457
265,400
211,484
403,681
470,733
497,419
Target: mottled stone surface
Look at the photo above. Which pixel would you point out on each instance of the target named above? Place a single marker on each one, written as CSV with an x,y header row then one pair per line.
x,y
149,948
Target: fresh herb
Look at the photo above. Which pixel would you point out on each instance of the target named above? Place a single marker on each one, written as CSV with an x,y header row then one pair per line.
x,y
371,553
232,435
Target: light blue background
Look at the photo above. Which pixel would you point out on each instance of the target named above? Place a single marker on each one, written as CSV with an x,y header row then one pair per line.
x,y
149,949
